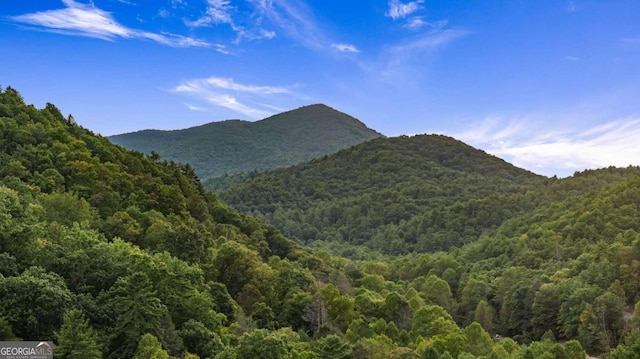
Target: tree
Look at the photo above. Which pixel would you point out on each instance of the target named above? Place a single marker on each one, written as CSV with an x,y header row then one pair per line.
x,y
438,292
630,348
138,312
432,320
34,303
200,340
235,266
574,350
479,342
592,338
6,333
263,344
484,315
474,291
430,353
149,348
77,339
333,347
65,208
377,347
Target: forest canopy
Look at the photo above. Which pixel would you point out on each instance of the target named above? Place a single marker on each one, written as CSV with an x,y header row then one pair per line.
x,y
112,253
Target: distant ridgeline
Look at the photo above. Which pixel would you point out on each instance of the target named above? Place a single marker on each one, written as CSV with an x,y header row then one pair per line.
x,y
235,146
113,254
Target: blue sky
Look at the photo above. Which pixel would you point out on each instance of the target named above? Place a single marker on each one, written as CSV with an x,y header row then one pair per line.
x,y
551,86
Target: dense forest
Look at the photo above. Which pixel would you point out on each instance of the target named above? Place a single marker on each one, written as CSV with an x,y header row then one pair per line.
x,y
395,195
111,253
235,146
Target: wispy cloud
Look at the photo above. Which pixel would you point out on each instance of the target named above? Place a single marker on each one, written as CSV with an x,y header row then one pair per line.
x,y
418,22
248,100
400,54
399,10
410,15
345,47
128,2
222,49
217,12
294,19
558,152
195,108
87,20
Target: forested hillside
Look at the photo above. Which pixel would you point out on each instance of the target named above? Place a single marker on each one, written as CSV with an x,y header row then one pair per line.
x,y
235,146
394,195
110,253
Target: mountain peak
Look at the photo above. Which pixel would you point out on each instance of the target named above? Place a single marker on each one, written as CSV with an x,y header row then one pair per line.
x,y
227,147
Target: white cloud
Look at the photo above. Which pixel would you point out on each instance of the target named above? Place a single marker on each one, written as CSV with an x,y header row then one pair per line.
x,y
128,2
195,108
345,47
229,84
399,10
222,49
295,19
218,12
558,152
225,92
243,23
89,21
398,55
416,22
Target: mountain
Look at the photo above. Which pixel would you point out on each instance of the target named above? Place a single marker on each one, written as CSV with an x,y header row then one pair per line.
x,y
396,195
234,146
112,254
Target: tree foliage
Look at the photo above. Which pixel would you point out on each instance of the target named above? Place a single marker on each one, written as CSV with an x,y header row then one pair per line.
x,y
108,252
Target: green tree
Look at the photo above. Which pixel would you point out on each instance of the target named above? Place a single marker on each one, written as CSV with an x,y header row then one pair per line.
x,y
6,332
333,346
479,341
438,292
483,315
432,320
574,350
377,347
149,348
630,348
263,344
138,312
65,209
235,266
592,338
34,303
199,340
76,338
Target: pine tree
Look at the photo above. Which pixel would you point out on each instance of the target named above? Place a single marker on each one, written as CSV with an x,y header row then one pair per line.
x,y
76,338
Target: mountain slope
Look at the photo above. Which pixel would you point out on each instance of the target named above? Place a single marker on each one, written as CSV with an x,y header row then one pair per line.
x,y
107,253
234,146
396,195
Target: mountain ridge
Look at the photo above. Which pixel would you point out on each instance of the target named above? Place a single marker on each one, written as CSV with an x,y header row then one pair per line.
x,y
401,183
233,146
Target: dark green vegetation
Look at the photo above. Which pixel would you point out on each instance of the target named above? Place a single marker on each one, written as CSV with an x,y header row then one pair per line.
x,y
233,146
395,195
113,254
